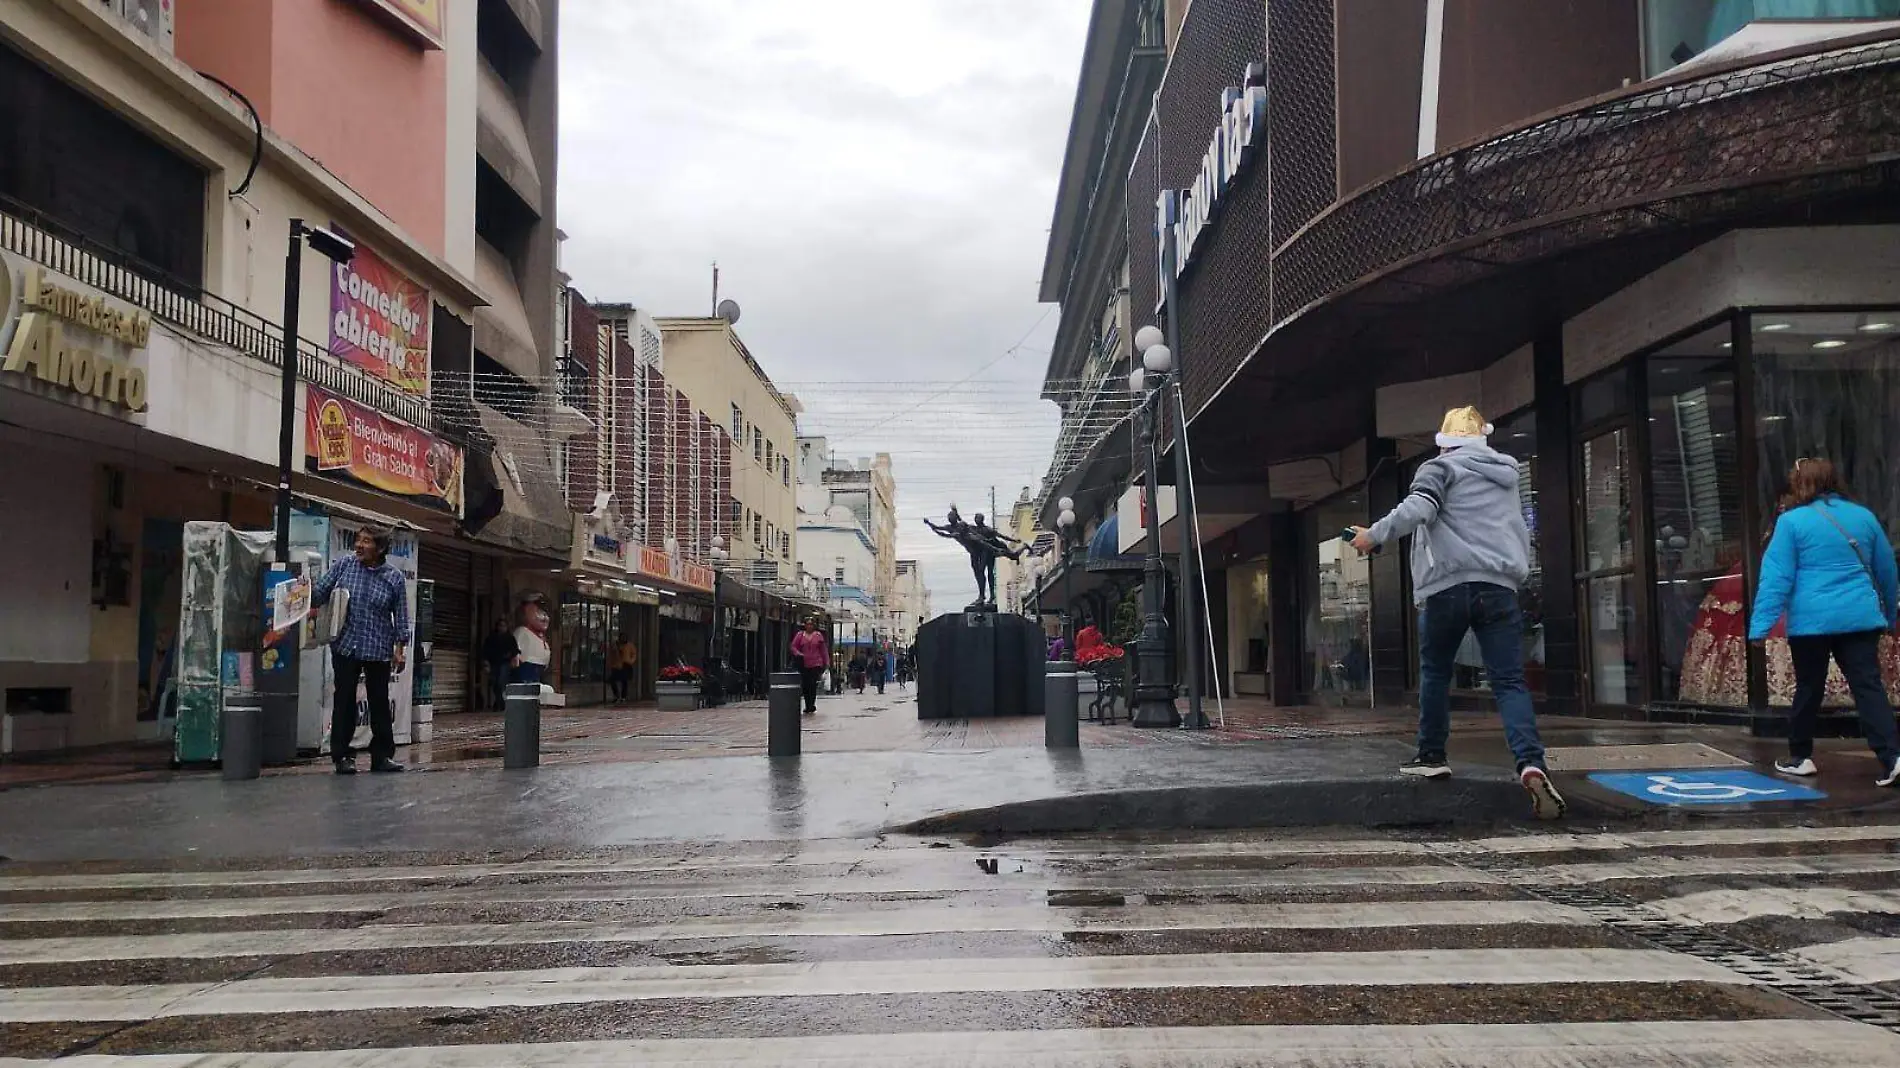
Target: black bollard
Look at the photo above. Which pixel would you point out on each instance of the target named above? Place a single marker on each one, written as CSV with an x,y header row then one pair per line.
x,y
521,726
781,725
241,743
1061,727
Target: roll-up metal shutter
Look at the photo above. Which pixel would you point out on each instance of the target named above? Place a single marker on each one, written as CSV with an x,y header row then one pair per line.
x,y
454,627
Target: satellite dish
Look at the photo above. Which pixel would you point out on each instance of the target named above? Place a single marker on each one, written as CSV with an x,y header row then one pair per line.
x,y
729,311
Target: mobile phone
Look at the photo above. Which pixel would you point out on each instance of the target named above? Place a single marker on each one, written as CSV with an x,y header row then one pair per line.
x,y
1347,534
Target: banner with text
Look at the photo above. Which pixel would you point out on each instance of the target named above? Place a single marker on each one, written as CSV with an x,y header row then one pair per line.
x,y
343,438
655,563
379,321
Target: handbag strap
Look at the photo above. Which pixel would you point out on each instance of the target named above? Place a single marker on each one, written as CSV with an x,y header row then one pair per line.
x,y
1866,565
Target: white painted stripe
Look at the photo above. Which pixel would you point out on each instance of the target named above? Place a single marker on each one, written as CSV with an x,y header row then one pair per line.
x,y
926,920
1802,902
557,986
1183,881
894,857
1430,67
1678,867
1870,960
1714,1044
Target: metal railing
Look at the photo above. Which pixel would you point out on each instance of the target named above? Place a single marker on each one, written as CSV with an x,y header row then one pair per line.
x,y
28,232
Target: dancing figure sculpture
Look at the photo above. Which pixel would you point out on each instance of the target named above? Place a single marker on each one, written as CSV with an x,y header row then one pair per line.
x,y
984,544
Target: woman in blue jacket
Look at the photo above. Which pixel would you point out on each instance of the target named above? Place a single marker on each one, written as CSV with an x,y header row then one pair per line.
x,y
1830,567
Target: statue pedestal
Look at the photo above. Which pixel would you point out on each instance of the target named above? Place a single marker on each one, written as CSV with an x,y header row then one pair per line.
x,y
977,664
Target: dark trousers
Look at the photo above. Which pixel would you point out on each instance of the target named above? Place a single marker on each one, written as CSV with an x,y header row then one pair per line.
x,y
382,729
808,682
1492,613
622,681
498,683
1859,658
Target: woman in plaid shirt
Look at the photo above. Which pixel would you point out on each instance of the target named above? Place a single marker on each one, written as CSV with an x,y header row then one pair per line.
x,y
371,643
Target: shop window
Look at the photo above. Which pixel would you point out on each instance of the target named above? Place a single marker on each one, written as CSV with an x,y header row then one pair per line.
x,y
1608,584
1695,492
1676,31
1338,625
1828,385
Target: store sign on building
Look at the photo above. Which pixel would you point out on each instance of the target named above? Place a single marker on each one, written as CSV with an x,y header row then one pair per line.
x,y
344,439
655,563
379,321
1243,125
70,341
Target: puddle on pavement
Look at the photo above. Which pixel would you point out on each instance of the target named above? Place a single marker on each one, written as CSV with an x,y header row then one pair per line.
x,y
735,955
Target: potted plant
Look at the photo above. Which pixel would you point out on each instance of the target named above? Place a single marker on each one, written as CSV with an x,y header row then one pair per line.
x,y
1095,657
678,687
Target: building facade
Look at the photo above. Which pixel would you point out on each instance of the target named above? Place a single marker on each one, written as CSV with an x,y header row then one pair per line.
x,y
835,548
913,603
1610,225
361,118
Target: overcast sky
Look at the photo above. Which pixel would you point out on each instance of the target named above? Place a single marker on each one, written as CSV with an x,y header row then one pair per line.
x,y
875,179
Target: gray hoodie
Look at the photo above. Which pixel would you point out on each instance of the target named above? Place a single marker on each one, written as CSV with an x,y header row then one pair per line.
x,y
1466,522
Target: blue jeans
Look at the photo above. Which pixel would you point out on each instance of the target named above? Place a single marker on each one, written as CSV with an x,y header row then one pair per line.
x,y
1491,612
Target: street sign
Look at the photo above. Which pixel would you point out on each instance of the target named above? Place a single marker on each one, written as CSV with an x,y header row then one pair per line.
x,y
1704,786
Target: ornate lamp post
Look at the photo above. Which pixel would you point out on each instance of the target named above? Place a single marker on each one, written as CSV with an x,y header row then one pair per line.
x,y
1065,533
1154,691
716,643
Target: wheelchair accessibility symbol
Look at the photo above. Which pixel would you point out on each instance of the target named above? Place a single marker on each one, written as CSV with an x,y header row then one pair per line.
x,y
1704,786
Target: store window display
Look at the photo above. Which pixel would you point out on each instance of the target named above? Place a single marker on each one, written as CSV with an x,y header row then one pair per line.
x,y
1827,384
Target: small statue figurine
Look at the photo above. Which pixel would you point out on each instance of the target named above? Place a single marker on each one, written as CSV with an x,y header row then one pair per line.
x,y
984,544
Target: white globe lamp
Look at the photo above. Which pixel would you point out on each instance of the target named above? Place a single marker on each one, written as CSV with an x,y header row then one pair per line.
x,y
1148,337
1158,359
1137,380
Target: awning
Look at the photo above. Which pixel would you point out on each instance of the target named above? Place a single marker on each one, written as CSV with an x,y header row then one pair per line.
x,y
1103,555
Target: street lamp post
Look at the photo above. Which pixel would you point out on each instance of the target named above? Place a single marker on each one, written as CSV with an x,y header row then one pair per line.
x,y
1065,533
341,250
716,642
1188,568
1154,691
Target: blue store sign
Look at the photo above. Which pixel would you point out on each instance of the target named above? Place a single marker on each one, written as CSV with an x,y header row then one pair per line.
x,y
1704,786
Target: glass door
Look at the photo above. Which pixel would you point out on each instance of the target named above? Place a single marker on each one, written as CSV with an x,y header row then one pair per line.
x,y
1339,623
1607,584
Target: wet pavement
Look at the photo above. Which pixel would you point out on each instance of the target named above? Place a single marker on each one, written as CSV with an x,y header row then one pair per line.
x,y
1335,948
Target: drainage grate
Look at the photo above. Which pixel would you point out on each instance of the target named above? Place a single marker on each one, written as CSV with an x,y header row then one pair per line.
x,y
1782,972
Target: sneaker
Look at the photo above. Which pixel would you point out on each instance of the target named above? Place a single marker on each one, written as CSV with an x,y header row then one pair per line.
x,y
1803,767
346,766
1893,776
1426,766
1546,802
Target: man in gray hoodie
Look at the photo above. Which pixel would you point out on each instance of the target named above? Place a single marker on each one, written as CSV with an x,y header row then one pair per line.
x,y
1470,555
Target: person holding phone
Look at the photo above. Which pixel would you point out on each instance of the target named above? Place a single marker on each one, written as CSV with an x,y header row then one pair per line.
x,y
1471,553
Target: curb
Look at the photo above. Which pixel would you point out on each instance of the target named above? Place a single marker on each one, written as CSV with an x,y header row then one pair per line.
x,y
1371,803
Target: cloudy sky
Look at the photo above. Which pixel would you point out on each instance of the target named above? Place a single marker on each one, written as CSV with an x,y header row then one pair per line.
x,y
875,179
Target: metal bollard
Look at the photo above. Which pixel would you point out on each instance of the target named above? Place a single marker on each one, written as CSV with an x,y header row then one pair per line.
x,y
241,742
521,726
781,725
1061,726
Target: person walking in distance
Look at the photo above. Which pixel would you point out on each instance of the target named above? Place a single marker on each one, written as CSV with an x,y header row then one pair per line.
x,y
880,666
620,662
500,653
1470,556
812,656
371,644
1829,567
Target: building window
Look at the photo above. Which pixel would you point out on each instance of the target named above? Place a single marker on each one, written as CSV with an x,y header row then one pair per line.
x,y
758,445
1676,31
785,546
771,456
738,512
837,574
1828,385
738,424
785,471
758,531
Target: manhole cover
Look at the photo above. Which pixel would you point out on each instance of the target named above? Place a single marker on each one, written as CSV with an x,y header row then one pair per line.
x,y
1661,755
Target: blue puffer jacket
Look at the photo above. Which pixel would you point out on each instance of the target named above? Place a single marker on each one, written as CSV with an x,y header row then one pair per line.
x,y
1811,573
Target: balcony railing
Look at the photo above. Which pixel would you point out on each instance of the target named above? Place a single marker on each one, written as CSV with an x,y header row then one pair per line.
x,y
27,232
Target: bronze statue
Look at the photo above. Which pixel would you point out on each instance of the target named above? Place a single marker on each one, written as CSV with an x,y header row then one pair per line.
x,y
984,543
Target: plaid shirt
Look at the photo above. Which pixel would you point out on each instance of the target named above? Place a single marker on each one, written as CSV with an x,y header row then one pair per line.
x,y
377,619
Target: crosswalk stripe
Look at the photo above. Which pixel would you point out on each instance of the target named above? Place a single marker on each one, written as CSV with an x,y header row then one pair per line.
x,y
1870,960
687,864
1677,867
1706,1044
1809,902
556,986
906,921
924,883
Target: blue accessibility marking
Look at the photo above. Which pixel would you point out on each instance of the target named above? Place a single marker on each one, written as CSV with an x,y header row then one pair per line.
x,y
1704,786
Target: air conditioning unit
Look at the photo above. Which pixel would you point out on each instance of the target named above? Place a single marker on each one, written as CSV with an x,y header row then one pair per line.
x,y
153,19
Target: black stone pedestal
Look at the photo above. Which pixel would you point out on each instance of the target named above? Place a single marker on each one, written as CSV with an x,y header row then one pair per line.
x,y
972,665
